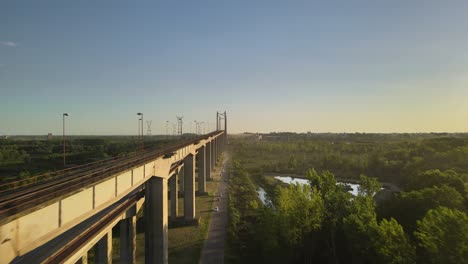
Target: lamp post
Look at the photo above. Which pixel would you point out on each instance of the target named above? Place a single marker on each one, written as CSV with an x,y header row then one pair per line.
x,y
167,128
64,145
139,131
202,128
142,139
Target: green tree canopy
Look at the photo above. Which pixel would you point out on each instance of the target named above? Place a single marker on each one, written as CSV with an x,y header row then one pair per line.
x,y
443,236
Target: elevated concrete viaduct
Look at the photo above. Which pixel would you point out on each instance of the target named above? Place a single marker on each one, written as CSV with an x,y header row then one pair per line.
x,y
61,219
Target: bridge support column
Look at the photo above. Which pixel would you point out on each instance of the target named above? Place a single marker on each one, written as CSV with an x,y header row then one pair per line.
x,y
103,249
215,141
220,147
181,180
213,154
83,259
218,151
201,170
128,240
219,143
156,221
208,161
189,188
174,191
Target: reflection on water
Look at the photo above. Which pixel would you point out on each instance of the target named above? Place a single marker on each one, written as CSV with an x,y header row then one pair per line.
x,y
353,188
291,180
262,195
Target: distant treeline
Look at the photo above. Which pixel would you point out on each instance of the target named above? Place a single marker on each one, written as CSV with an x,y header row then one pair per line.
x,y
390,158
21,157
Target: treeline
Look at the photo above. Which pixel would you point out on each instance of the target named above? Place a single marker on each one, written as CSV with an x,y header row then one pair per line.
x,y
19,159
390,158
322,223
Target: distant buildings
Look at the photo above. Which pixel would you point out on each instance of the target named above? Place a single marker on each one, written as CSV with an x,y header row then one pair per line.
x,y
49,136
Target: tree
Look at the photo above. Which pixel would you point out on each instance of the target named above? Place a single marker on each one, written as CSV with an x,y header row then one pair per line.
x,y
372,242
357,226
298,212
409,207
336,206
391,244
368,186
292,164
432,178
443,236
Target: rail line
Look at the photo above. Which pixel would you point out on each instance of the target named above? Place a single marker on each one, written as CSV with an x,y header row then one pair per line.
x,y
76,243
25,198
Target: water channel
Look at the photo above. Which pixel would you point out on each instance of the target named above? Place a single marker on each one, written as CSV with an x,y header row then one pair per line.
x,y
290,180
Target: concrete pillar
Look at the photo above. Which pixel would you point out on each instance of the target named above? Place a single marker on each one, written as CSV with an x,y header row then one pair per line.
x,y
156,221
212,154
201,170
220,147
174,190
189,186
215,141
103,250
208,161
218,151
225,128
219,144
128,240
181,180
83,259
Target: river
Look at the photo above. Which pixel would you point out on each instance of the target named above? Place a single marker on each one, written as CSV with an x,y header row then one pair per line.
x,y
291,180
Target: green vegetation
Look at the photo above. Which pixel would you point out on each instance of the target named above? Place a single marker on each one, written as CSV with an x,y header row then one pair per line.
x,y
391,158
23,157
322,223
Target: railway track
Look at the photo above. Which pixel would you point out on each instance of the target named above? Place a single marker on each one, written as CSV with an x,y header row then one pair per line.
x,y
22,199
75,244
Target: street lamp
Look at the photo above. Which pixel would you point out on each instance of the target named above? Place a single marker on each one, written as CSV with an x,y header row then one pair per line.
x,y
142,139
167,128
201,128
64,147
196,127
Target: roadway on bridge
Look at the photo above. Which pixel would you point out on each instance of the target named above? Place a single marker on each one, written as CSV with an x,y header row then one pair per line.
x,y
213,249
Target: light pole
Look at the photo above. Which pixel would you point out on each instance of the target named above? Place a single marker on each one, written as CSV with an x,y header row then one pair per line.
x,y
167,128
142,136
139,130
64,147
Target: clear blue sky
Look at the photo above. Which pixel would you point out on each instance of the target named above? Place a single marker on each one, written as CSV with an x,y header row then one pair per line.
x,y
339,66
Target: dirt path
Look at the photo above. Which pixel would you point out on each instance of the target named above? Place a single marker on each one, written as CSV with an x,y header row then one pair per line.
x,y
213,249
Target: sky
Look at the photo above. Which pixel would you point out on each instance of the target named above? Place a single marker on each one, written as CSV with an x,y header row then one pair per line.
x,y
319,66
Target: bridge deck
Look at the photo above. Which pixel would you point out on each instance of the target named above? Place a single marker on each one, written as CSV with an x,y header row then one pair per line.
x,y
20,200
